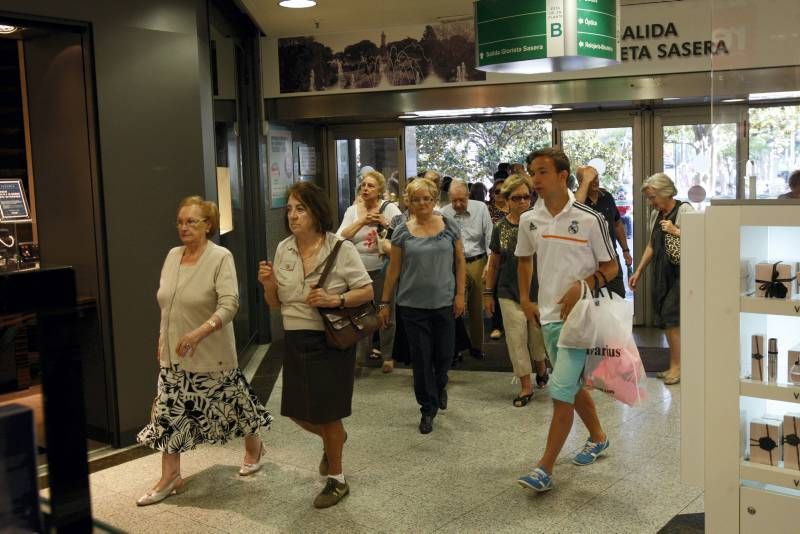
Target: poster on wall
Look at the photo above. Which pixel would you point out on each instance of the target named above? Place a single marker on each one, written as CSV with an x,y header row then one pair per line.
x,y
281,166
13,206
397,57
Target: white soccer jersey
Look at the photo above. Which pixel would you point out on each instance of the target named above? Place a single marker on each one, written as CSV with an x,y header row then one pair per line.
x,y
568,248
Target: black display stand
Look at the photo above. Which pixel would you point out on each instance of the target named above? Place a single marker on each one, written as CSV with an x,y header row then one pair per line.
x,y
50,294
19,491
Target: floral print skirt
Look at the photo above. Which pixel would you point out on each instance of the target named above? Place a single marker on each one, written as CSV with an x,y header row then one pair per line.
x,y
194,408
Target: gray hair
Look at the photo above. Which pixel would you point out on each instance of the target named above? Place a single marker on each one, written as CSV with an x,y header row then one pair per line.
x,y
661,184
458,182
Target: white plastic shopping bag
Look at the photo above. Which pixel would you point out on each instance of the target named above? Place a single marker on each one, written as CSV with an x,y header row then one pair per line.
x,y
603,325
613,364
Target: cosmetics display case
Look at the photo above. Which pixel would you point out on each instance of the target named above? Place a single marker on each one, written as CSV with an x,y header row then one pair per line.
x,y
746,424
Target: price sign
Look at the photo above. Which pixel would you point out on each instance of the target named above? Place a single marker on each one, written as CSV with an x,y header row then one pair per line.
x,y
13,206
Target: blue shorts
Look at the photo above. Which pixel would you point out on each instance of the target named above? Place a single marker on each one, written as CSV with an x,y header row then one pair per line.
x,y
568,365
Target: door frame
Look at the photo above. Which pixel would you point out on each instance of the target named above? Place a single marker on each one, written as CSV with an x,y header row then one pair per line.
x,y
351,132
620,119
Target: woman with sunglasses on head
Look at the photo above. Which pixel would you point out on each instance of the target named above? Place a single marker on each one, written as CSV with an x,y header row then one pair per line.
x,y
202,396
367,225
427,264
523,337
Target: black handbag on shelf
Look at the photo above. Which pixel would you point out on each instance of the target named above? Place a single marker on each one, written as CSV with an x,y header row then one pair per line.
x,y
344,327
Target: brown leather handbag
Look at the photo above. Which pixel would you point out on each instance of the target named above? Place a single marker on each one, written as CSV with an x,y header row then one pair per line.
x,y
344,327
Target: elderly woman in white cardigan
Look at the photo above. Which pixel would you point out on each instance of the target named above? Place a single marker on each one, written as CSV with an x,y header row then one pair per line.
x,y
202,395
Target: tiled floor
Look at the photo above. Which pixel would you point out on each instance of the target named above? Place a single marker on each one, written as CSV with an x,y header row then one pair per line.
x,y
460,478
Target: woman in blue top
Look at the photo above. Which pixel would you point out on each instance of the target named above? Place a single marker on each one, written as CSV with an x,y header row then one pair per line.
x,y
427,258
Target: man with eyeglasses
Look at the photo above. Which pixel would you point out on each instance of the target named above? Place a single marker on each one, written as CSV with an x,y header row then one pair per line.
x,y
476,232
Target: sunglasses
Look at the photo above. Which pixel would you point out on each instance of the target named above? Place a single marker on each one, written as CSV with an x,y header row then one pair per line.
x,y
519,198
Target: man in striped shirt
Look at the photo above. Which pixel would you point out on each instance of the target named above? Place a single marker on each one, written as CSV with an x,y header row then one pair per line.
x,y
571,244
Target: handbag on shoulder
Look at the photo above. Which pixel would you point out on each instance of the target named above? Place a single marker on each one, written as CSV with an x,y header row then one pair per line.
x,y
344,327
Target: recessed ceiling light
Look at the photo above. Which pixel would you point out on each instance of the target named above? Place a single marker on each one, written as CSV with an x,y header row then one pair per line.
x,y
411,116
668,98
6,29
731,100
297,4
561,109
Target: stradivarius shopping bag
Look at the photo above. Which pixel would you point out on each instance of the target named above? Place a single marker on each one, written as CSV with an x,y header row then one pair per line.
x,y
603,326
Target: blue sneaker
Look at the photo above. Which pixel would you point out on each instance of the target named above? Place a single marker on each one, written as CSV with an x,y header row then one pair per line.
x,y
590,452
537,480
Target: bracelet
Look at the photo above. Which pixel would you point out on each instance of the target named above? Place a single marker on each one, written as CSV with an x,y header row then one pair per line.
x,y
212,324
625,250
382,306
387,302
341,300
488,291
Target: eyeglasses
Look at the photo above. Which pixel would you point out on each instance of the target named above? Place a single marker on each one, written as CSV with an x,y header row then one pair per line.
x,y
192,223
520,198
421,200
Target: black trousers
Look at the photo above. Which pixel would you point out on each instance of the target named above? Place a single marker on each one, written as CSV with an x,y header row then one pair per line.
x,y
431,342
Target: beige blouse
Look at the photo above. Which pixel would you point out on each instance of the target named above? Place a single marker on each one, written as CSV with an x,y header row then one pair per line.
x,y
294,287
188,295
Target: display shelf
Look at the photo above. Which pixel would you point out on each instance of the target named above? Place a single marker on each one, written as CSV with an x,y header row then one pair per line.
x,y
776,392
767,474
790,307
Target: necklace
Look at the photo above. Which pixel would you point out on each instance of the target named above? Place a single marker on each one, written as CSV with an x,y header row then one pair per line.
x,y
313,250
8,244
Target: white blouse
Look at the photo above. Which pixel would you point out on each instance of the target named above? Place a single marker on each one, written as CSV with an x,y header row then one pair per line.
x,y
294,286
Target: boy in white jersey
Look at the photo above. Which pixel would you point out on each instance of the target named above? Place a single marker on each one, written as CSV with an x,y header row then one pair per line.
x,y
571,243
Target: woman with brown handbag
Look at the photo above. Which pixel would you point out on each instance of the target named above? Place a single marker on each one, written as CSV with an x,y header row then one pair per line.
x,y
317,379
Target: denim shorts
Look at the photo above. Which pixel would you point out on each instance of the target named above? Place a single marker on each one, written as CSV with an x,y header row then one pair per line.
x,y
568,365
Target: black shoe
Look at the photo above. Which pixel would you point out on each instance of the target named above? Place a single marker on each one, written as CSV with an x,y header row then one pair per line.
x,y
477,354
426,424
457,358
541,380
443,399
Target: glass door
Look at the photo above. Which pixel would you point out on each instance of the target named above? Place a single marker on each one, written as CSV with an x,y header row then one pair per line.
x,y
612,144
704,159
355,150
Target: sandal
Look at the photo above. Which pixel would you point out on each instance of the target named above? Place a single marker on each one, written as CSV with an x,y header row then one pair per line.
x,y
388,366
374,355
522,400
541,380
672,380
661,374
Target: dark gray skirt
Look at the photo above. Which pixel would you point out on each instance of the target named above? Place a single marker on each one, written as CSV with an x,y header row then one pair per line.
x,y
317,379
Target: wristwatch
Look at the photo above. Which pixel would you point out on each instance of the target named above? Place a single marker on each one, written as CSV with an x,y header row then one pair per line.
x,y
341,300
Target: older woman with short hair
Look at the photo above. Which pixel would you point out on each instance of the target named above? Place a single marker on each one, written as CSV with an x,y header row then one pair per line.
x,y
317,379
367,224
427,259
202,396
665,218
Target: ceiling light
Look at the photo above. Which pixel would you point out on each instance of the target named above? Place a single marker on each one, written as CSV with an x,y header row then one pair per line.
x,y
411,116
561,109
775,96
481,111
6,29
669,98
732,100
297,4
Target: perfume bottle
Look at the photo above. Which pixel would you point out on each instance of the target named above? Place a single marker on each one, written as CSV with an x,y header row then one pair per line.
x,y
794,373
772,360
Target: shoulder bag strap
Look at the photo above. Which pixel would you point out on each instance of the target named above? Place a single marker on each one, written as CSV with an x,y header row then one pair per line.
x,y
383,206
329,263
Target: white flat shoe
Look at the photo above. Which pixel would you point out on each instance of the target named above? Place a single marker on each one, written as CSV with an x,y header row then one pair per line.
x,y
248,469
153,496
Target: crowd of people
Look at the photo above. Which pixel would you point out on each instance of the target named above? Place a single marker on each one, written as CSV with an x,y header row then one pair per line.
x,y
435,263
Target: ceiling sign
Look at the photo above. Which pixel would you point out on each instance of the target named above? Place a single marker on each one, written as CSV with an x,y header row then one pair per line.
x,y
535,36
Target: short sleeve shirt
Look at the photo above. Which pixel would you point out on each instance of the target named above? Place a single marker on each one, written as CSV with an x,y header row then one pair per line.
x,y
366,239
504,243
427,279
568,247
606,207
294,285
